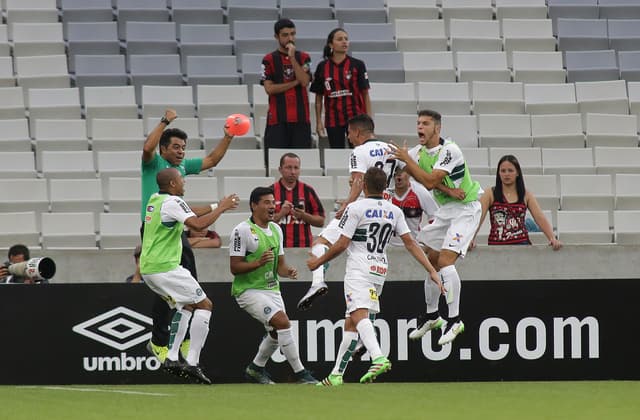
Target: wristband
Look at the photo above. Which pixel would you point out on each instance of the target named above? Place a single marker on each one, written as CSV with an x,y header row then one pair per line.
x,y
214,206
165,120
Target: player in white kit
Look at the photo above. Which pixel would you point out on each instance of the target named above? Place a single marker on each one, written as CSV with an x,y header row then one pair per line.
x,y
365,228
368,152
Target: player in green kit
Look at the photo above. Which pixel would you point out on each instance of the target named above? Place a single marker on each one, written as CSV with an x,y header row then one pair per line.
x,y
256,262
438,161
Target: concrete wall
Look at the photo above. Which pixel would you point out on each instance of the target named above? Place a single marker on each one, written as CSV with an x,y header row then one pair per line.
x,y
485,263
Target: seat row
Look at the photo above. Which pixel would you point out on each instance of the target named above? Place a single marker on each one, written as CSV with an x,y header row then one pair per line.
x,y
79,230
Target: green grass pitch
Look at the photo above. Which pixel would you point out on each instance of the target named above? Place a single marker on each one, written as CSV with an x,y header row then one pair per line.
x,y
463,400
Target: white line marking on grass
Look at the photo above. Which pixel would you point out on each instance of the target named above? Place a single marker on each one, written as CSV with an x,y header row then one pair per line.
x,y
114,391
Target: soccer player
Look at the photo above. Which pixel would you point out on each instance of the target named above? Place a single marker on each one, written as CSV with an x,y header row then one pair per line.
x,y
165,218
256,262
365,229
448,237
368,152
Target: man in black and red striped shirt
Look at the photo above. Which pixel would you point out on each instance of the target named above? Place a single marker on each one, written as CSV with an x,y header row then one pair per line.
x,y
286,73
297,204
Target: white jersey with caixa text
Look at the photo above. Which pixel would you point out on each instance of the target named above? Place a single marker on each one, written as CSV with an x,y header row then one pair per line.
x,y
370,223
373,153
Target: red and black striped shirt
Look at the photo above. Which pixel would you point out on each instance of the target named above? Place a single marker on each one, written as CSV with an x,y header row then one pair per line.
x,y
291,106
342,86
297,234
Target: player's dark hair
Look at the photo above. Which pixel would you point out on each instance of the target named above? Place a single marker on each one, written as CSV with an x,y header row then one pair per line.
x,y
497,190
435,115
257,194
328,51
375,181
19,249
362,122
165,139
288,155
281,24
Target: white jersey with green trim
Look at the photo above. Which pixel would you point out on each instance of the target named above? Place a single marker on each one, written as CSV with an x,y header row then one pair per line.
x,y
373,153
370,223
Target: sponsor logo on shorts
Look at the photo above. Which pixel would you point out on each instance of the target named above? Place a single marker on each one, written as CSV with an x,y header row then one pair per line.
x,y
267,310
199,292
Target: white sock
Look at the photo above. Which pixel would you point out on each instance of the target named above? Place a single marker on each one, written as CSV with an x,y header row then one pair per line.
x,y
317,275
431,295
199,331
179,325
289,349
451,282
267,347
368,337
347,346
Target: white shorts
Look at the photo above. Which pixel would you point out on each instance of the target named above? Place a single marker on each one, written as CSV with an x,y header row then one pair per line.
x,y
453,228
261,304
362,294
331,232
177,287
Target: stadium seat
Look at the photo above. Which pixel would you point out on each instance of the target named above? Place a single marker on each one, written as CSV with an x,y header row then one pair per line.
x,y
341,187
14,135
429,66
239,10
504,130
71,195
629,65
306,10
336,163
204,40
619,9
311,35
122,194
238,163
61,104
364,11
5,47
17,164
260,102
100,70
212,70
545,189
12,103
309,161
602,96
119,230
627,191
148,69
530,159
587,66
527,9
557,130
44,71
626,229
118,163
396,127
586,192
220,101
584,227
253,37
251,68
477,160
527,35
552,98
30,39
128,137
498,98
393,98
201,190
462,129
371,36
383,66
156,99
68,230
140,11
412,9
201,12
31,11
227,222
624,34
109,102
19,227
474,35
611,130
576,9
76,11
465,9
151,38
420,35
7,79
617,160
446,98
582,34
24,195
567,161
243,185
324,187
538,67
52,135
91,38
488,66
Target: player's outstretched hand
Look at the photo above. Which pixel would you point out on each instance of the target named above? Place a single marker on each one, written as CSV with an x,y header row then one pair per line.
x,y
292,272
230,202
399,152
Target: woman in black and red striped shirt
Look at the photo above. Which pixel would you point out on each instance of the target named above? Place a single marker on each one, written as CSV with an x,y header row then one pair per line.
x,y
341,82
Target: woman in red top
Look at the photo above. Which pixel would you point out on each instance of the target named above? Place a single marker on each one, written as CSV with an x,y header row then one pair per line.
x,y
342,82
507,203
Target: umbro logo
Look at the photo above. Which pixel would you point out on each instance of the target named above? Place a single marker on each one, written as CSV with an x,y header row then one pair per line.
x,y
120,328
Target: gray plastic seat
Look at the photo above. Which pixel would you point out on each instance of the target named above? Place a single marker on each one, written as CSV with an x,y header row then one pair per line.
x,y
371,36
312,34
624,34
619,9
253,36
196,12
204,40
252,10
85,11
582,34
151,38
306,9
383,66
574,9
586,66
100,70
140,11
154,70
99,38
365,11
250,67
212,70
629,65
